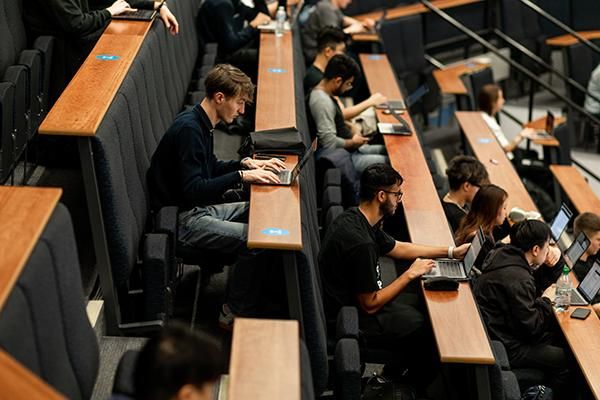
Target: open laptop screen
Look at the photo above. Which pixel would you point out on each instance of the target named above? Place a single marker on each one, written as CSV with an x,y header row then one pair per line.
x,y
473,252
560,222
591,283
578,247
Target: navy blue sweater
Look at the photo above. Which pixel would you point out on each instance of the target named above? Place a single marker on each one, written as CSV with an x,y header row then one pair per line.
x,y
184,171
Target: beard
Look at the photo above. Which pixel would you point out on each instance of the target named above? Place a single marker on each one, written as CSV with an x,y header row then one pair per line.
x,y
387,209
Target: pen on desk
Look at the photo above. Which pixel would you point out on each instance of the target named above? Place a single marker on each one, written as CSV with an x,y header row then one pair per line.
x,y
494,161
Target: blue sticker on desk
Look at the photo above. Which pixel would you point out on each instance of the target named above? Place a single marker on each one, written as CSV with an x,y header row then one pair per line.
x,y
107,57
275,232
484,140
374,57
277,70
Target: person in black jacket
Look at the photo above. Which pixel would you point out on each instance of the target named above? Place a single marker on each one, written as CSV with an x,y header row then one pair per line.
x,y
234,26
512,309
184,172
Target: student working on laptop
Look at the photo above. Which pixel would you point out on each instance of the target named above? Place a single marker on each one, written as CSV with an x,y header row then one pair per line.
x,y
588,223
184,172
390,317
466,175
513,311
332,131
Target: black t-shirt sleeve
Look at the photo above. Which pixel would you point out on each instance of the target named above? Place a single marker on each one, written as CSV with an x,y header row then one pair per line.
x,y
453,214
385,242
502,231
362,260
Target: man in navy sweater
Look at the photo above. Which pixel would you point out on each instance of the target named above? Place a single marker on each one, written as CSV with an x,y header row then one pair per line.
x,y
185,172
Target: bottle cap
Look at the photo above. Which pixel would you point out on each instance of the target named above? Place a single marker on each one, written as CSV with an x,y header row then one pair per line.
x,y
566,269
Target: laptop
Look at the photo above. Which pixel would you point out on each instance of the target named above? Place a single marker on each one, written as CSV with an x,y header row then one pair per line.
x,y
588,288
400,128
137,15
457,269
560,222
549,127
410,100
576,249
286,176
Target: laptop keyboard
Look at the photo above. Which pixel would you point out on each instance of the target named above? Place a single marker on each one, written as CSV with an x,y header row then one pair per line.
x,y
450,268
577,298
285,175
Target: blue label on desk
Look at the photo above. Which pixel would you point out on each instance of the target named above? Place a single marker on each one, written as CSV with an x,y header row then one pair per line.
x,y
277,70
275,232
107,57
484,140
374,57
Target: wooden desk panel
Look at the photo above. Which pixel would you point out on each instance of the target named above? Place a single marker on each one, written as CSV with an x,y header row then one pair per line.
x,y
275,94
125,27
365,37
265,360
569,40
583,337
274,221
82,106
24,213
18,383
486,148
448,78
458,329
575,186
412,9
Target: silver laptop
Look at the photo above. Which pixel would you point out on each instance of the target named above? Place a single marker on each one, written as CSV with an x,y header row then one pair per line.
x,y
588,288
457,269
400,104
286,176
576,249
560,222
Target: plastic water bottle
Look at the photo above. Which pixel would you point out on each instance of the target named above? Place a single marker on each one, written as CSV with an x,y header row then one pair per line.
x,y
563,291
280,21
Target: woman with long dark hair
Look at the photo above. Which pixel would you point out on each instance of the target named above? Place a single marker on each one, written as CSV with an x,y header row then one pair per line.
x,y
487,211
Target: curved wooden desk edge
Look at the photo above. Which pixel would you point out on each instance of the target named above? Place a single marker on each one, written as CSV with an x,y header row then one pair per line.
x,y
24,213
18,383
81,107
569,40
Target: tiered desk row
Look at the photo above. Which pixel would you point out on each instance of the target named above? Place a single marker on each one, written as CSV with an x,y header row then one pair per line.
x,y
457,326
583,336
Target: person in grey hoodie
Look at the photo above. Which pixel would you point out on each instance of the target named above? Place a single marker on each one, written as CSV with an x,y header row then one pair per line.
x,y
513,310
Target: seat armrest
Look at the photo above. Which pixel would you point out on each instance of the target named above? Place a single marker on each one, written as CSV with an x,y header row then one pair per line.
x,y
347,323
156,275
347,370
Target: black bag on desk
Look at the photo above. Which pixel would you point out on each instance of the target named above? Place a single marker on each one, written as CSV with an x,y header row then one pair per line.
x,y
274,141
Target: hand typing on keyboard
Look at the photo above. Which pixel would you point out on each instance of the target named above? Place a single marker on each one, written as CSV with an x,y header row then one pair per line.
x,y
420,267
273,164
120,7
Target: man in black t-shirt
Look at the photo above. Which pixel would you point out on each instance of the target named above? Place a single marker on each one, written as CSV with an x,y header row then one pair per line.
x,y
351,276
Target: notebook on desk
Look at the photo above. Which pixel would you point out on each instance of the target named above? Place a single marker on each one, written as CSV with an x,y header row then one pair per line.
x,y
137,15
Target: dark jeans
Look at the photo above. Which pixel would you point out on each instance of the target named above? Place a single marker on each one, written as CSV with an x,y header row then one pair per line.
x,y
402,328
224,228
551,358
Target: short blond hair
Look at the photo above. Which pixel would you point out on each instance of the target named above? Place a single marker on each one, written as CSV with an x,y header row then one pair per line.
x,y
230,81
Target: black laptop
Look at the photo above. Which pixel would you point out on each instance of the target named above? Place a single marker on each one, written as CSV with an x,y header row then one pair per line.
x,y
137,15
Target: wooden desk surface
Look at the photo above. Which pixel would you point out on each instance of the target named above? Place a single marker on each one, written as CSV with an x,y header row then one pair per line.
x,y
413,9
569,40
458,329
24,213
539,124
486,148
365,37
575,186
275,94
448,78
82,106
583,337
18,383
274,221
265,360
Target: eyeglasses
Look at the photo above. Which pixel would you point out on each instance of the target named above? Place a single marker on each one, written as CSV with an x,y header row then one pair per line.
x,y
348,84
398,194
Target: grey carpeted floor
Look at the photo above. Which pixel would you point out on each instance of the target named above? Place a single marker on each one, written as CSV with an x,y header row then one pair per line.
x,y
111,350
